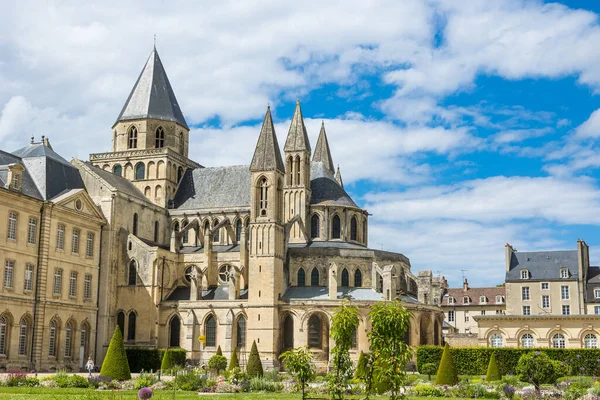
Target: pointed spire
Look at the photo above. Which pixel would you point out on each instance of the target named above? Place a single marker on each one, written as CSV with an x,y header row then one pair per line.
x,y
322,153
297,139
152,95
267,156
338,177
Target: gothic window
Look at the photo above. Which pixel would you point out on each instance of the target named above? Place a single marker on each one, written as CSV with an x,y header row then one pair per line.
x,y
210,330
132,277
241,332
3,335
68,340
52,339
315,332
134,229
133,136
140,171
118,170
345,278
121,322
264,192
156,231
297,170
357,278
336,227
131,326
314,277
206,227
179,174
216,237
23,330
175,332
301,277
186,235
353,229
176,226
238,230
315,227
160,137
225,273
290,162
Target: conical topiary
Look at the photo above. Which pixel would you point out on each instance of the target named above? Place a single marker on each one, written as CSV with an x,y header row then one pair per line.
x,y
219,352
233,363
167,361
254,366
115,365
493,372
446,374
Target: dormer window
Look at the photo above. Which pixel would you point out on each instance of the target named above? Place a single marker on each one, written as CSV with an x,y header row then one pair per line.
x,y
499,299
466,300
597,293
524,274
564,273
16,181
482,299
15,173
450,300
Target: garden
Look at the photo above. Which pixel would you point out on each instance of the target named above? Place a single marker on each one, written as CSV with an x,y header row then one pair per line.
x,y
492,373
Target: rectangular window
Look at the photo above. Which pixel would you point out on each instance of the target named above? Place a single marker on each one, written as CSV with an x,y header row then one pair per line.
x,y
526,310
564,292
75,242
60,237
73,284
482,312
466,316
9,269
87,289
450,316
32,230
524,274
564,273
597,293
28,286
545,286
12,226
450,300
498,299
482,299
597,310
545,301
566,310
525,293
57,281
89,248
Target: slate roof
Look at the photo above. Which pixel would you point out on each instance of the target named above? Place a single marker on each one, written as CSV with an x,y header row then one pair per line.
x,y
28,186
119,183
474,294
212,293
235,248
543,265
338,177
593,282
322,293
325,188
322,153
152,95
297,139
267,155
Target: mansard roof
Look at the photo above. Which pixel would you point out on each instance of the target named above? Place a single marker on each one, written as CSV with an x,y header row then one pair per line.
x,y
267,156
543,265
152,96
297,139
322,153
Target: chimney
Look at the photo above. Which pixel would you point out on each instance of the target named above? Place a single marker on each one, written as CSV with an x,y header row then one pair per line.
x,y
509,252
466,285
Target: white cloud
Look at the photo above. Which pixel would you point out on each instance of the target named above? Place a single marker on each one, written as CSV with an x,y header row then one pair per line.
x,y
590,128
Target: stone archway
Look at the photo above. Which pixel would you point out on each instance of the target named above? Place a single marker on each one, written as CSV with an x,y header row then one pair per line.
x,y
287,334
175,332
317,336
425,330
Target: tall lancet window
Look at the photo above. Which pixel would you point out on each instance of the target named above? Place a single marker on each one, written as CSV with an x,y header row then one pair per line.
x,y
264,193
297,170
133,134
160,137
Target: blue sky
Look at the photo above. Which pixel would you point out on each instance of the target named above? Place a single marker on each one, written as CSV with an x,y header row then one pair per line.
x,y
461,126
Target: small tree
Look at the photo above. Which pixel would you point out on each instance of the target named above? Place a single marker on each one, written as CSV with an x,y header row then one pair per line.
x,y
115,365
219,352
254,366
167,361
298,361
429,369
389,324
233,363
217,363
536,368
446,374
344,325
493,372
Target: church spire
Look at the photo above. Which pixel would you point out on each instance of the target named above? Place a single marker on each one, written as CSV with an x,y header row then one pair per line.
x,y
322,153
267,156
297,139
152,96
338,177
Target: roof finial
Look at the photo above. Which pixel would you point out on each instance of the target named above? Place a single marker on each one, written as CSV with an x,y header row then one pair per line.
x,y
155,41
32,139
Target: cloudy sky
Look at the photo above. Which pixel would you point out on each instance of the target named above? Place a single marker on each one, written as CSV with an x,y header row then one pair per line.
x,y
460,126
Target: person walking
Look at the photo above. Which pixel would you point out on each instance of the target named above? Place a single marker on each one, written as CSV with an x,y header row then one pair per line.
x,y
90,366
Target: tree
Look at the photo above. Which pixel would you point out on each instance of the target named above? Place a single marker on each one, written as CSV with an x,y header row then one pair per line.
x,y
537,368
217,363
493,372
447,374
167,361
115,365
254,366
344,325
233,363
429,369
298,361
389,323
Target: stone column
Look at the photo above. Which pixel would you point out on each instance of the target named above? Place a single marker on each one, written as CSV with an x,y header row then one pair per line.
x,y
333,281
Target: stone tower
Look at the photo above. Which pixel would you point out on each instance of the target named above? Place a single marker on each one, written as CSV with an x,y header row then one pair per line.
x,y
265,269
296,192
150,137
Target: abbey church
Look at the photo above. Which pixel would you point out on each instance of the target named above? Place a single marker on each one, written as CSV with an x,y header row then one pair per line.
x,y
144,238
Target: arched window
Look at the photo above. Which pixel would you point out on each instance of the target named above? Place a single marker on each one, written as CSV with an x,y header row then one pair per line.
x,y
121,322
314,277
558,341
179,174
23,331
241,333
181,143
206,227
238,230
160,137
335,227
216,237
527,340
176,226
210,330
315,226
353,229
175,332
264,196
290,162
52,339
68,340
354,343
301,277
3,335
345,278
134,229
297,170
357,278
315,331
131,326
288,332
496,340
156,231
590,341
133,134
118,170
84,344
132,276
140,171
186,235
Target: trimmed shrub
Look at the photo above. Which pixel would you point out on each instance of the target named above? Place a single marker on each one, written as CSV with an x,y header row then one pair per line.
x,y
493,372
446,374
167,362
115,365
217,363
233,363
219,352
145,359
254,366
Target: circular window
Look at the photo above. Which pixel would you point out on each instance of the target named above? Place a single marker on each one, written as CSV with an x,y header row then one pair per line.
x,y
78,205
188,274
225,272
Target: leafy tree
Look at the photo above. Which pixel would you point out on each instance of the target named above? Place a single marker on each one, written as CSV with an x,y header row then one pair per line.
x,y
429,369
254,366
389,324
537,368
447,374
298,361
115,365
233,363
217,363
219,352
493,372
344,325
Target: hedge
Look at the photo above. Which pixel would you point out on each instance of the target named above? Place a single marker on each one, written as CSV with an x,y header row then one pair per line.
x,y
475,360
150,359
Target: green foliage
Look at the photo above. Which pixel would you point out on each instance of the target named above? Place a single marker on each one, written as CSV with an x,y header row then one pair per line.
x,y
219,352
473,391
264,385
145,379
427,390
344,324
217,363
447,374
236,376
389,323
493,372
254,366
115,364
166,363
429,369
190,380
233,363
145,359
537,368
298,361
361,366
19,378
